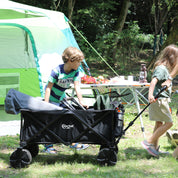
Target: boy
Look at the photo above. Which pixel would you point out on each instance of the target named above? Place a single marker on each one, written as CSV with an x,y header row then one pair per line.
x,y
60,79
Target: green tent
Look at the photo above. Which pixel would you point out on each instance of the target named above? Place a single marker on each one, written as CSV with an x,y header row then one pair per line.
x,y
31,43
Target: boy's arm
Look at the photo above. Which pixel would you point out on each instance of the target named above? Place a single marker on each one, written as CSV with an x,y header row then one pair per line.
x,y
79,93
171,76
48,91
151,90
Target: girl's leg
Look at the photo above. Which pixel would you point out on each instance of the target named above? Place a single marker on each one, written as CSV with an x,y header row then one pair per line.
x,y
157,125
159,132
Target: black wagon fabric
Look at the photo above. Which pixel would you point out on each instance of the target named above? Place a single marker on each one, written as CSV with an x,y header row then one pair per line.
x,y
65,126
15,101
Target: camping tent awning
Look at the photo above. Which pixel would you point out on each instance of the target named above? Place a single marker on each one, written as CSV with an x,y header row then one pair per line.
x,y
32,37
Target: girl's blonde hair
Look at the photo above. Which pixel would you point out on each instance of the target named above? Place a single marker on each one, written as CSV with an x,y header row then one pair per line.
x,y
72,54
168,57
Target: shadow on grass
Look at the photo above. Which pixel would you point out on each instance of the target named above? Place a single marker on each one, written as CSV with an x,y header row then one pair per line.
x,y
130,153
133,153
43,158
63,158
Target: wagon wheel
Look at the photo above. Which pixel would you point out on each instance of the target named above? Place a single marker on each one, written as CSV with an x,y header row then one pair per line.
x,y
20,158
107,156
116,149
33,148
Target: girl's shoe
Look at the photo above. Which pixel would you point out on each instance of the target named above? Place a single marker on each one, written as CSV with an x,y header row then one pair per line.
x,y
150,148
162,152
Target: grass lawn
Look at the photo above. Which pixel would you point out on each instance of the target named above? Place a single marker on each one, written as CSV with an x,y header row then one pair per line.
x,y
133,160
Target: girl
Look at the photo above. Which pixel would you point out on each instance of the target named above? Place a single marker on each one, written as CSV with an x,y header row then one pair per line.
x,y
159,109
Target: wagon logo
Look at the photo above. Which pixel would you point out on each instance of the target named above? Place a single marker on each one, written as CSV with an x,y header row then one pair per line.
x,y
64,126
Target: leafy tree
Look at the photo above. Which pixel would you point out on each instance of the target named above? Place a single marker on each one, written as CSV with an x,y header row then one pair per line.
x,y
172,39
160,10
46,4
118,29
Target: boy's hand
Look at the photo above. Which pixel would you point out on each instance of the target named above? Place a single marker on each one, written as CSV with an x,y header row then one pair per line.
x,y
84,105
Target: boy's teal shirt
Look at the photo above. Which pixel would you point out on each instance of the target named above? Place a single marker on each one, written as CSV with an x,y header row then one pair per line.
x,y
62,81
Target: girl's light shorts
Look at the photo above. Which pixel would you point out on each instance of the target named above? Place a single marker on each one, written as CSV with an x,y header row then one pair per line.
x,y
160,111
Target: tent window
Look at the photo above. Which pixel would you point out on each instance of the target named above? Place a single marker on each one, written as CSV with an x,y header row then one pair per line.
x,y
15,46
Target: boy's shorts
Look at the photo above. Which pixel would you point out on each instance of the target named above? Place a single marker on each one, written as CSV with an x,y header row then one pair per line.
x,y
160,111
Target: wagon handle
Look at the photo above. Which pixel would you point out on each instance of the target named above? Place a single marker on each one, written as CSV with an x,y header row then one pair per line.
x,y
132,122
162,89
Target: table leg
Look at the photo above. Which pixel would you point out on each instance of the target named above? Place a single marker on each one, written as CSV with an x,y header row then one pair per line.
x,y
141,96
138,108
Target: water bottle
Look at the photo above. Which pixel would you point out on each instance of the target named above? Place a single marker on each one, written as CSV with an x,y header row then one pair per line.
x,y
120,120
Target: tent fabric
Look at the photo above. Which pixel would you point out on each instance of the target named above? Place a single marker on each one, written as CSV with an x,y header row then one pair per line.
x,y
24,51
32,38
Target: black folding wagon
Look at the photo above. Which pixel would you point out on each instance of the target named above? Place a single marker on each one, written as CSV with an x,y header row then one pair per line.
x,y
68,126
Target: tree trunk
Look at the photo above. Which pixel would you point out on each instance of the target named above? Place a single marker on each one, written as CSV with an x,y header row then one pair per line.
x,y
122,16
54,6
71,4
160,15
171,39
173,36
120,24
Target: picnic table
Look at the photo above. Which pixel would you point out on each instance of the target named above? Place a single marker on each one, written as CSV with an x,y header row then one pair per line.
x,y
138,93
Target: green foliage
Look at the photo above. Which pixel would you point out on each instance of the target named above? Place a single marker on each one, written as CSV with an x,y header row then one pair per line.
x,y
38,3
95,17
129,43
83,44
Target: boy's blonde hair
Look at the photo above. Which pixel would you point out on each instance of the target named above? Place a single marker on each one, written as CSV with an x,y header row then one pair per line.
x,y
168,57
72,54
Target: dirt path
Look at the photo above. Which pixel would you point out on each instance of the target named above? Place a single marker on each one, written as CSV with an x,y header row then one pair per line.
x,y
9,128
